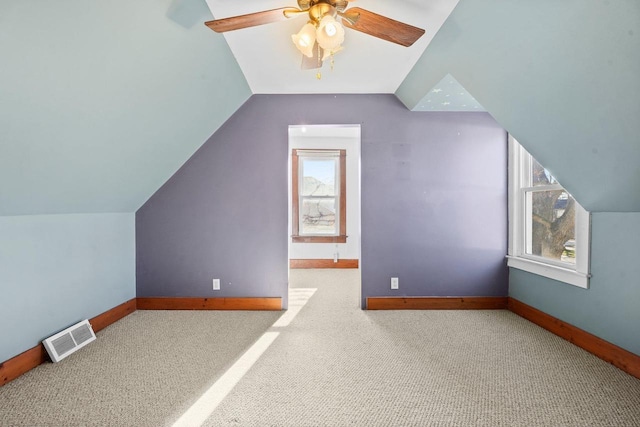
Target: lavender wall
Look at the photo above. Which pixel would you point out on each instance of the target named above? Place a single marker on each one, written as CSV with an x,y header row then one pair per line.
x,y
433,202
434,206
223,215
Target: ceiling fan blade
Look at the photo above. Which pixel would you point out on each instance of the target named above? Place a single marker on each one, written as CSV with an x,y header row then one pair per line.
x,y
383,27
249,20
315,61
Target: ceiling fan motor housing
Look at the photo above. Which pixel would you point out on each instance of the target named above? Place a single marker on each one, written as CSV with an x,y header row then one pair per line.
x,y
340,5
320,10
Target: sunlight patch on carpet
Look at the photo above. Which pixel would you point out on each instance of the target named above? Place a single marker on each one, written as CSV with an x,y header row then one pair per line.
x,y
298,298
209,401
198,413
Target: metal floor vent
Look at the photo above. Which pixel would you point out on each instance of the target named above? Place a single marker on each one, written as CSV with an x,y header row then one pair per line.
x,y
69,341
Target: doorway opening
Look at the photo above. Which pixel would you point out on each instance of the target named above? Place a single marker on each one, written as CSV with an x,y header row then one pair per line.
x,y
324,200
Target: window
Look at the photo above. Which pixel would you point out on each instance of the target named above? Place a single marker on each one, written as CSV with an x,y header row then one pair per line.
x,y
319,196
548,229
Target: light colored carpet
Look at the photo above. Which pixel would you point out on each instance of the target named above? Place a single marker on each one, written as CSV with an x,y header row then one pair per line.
x,y
333,365
144,370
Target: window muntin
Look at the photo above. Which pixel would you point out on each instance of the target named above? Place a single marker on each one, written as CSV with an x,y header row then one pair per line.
x,y
549,230
319,196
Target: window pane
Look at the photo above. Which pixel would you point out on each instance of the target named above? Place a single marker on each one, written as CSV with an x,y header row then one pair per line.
x,y
319,176
550,225
318,216
539,175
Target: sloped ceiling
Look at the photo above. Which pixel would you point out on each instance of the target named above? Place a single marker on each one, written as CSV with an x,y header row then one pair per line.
x,y
561,76
101,102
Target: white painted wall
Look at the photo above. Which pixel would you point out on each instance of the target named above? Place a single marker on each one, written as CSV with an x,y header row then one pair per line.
x,y
345,137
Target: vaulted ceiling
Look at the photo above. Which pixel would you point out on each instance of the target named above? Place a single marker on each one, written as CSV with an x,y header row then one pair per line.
x,y
271,63
101,102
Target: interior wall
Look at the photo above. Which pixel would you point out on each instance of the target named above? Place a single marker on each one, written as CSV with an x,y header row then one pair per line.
x,y
433,202
561,77
434,206
350,249
59,269
223,215
610,308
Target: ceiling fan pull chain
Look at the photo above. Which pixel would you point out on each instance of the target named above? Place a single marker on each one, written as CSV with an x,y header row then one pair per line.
x,y
319,74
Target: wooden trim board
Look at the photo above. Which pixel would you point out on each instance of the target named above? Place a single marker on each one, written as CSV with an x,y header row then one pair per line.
x,y
182,303
26,361
110,317
436,303
617,356
22,363
323,263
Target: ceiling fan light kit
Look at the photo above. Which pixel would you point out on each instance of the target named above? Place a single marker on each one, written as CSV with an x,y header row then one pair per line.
x,y
305,39
330,33
322,36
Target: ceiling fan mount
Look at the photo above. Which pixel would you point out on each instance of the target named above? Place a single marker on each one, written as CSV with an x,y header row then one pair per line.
x,y
319,9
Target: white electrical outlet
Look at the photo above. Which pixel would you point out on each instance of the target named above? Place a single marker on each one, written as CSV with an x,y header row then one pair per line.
x,y
216,284
395,283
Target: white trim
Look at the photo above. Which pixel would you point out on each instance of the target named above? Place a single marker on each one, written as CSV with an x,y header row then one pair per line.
x,y
550,271
583,244
520,187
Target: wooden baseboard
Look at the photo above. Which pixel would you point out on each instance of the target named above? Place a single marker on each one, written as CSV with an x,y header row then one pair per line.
x,y
22,363
436,303
617,356
26,361
182,303
323,263
109,317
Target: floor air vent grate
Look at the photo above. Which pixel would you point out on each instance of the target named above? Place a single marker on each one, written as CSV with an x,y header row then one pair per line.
x,y
69,341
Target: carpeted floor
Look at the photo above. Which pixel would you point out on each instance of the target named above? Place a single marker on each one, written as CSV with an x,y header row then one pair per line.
x,y
330,365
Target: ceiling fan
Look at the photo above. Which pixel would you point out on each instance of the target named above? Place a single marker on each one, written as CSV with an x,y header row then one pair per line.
x,y
323,35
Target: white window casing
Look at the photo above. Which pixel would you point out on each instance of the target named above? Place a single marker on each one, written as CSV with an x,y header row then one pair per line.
x,y
519,256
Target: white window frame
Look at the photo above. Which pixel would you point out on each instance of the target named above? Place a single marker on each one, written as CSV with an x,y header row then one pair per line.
x,y
519,186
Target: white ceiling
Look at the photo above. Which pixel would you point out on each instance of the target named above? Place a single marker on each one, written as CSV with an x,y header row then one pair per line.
x,y
271,63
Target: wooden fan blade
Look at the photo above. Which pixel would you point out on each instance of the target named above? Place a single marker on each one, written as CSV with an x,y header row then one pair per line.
x,y
315,61
383,27
249,20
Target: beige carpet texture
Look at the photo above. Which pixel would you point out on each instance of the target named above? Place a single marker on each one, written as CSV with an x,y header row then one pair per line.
x,y
325,362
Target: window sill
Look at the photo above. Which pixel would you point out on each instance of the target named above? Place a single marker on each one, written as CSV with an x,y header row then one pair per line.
x,y
319,239
560,274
